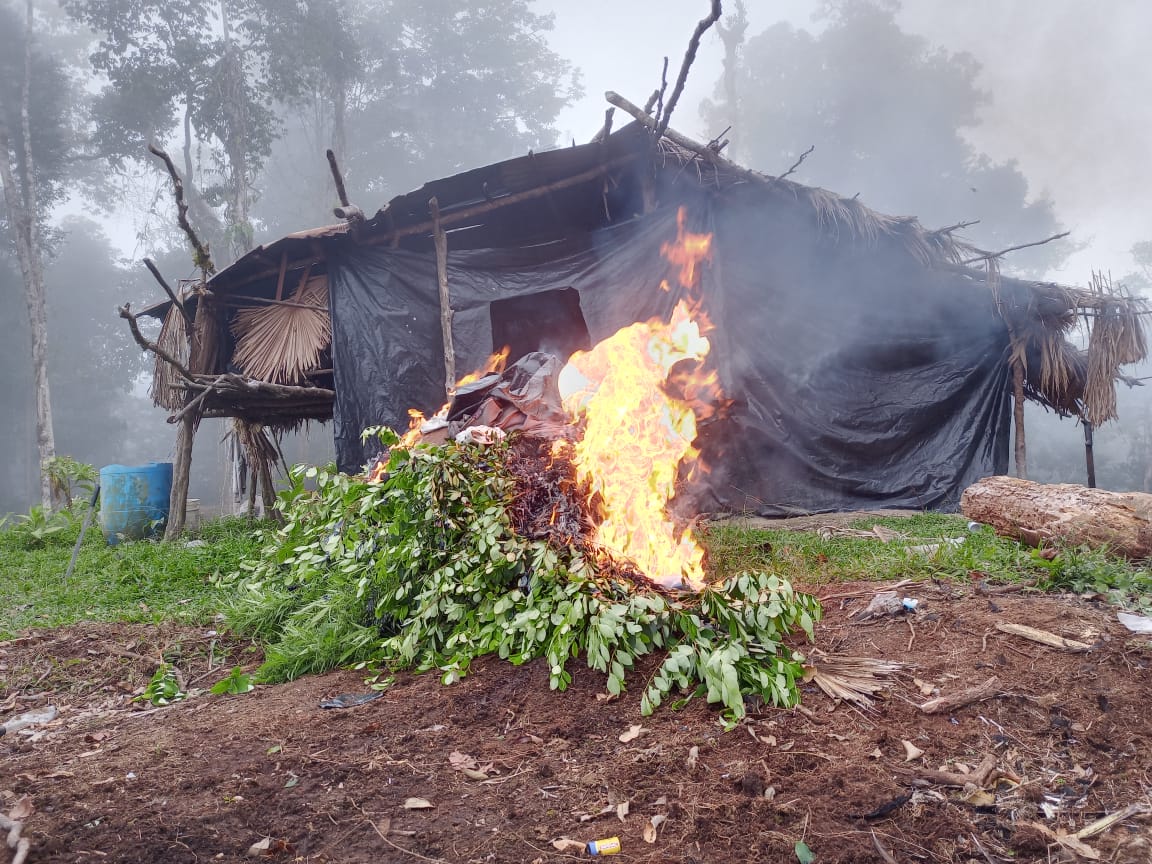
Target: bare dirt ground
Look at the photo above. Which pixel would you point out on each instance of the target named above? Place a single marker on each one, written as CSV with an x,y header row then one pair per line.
x,y
205,779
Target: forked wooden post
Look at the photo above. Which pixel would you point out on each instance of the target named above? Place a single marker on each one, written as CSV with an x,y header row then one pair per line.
x,y
441,241
1018,417
181,468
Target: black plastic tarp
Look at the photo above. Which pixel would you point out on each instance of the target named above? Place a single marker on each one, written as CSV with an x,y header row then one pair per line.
x,y
859,377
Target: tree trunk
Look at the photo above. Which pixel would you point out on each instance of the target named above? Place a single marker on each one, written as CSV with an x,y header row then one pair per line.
x,y
20,200
732,32
1038,514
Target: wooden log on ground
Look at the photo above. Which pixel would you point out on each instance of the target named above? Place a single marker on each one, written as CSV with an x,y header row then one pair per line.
x,y
1063,513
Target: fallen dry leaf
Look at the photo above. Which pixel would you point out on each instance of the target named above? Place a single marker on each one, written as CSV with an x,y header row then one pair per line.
x,y
926,687
693,757
980,798
622,810
911,751
653,825
95,737
461,760
876,754
384,826
563,844
260,847
22,809
632,734
418,804
649,834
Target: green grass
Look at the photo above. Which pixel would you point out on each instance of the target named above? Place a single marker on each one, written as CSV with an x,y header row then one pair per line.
x,y
148,581
808,559
133,582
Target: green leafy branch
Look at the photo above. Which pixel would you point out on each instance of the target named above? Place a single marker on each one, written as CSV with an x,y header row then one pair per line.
x,y
423,570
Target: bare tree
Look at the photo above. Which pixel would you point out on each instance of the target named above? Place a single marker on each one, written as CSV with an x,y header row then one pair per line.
x,y
18,175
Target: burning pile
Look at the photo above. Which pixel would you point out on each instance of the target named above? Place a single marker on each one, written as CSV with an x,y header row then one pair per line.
x,y
620,420
529,518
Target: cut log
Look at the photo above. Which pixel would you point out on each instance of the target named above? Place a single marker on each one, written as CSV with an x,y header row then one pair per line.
x,y
1039,514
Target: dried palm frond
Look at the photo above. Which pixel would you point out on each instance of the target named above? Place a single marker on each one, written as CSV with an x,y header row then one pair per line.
x,y
165,390
281,343
851,679
1117,339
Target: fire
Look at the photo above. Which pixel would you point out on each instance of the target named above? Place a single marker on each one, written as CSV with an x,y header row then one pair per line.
x,y
418,424
688,252
639,430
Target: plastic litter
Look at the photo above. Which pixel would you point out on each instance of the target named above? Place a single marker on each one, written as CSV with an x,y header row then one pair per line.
x,y
29,718
609,846
1135,623
351,700
481,435
910,604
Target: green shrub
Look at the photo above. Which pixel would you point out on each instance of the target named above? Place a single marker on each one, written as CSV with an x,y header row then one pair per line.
x,y
424,571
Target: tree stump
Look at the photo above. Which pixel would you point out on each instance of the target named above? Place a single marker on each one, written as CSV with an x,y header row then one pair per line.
x,y
1039,513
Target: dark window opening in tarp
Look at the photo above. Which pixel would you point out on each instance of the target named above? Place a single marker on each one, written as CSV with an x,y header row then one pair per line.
x,y
548,321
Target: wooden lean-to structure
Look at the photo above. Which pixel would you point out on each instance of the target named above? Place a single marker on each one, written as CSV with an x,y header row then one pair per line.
x,y
256,341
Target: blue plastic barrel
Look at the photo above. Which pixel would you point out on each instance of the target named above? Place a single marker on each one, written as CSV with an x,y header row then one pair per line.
x,y
134,500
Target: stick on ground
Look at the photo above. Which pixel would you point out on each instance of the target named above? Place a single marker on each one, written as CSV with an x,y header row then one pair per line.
x,y
943,704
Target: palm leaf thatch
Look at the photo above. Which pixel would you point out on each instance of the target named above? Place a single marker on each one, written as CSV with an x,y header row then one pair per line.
x,y
850,679
1117,339
166,390
280,343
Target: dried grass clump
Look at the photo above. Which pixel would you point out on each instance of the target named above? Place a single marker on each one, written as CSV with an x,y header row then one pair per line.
x,y
280,344
166,391
850,679
1117,339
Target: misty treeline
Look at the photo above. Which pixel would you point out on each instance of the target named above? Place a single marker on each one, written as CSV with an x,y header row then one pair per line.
x,y
247,94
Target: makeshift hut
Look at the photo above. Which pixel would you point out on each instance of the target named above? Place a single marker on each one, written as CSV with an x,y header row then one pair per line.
x,y
870,362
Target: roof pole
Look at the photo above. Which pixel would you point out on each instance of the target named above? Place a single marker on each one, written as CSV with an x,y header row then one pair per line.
x,y
1089,458
441,241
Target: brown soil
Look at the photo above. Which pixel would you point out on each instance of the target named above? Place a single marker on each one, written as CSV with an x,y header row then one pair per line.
x,y
205,779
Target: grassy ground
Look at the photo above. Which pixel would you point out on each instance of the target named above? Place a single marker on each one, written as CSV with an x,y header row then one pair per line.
x,y
145,581
808,558
149,581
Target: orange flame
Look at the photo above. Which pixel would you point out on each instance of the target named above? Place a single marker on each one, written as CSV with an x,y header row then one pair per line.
x,y
688,252
495,363
638,392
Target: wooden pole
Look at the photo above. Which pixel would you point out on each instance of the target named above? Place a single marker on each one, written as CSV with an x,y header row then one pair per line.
x,y
441,241
1089,458
1018,417
181,469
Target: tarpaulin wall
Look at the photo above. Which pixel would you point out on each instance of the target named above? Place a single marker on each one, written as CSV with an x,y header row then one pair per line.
x,y
860,378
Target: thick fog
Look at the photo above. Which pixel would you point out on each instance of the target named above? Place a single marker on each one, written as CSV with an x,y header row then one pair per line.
x,y
1029,117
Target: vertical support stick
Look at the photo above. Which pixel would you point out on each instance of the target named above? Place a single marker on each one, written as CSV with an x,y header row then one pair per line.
x,y
1089,458
1018,418
178,502
283,273
441,241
